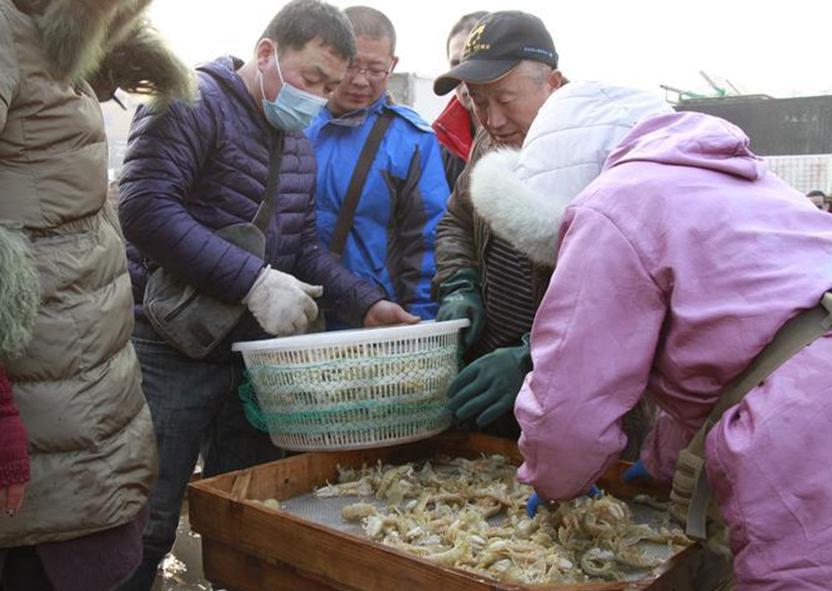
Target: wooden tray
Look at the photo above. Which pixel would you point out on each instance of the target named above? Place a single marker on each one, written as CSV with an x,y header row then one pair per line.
x,y
249,547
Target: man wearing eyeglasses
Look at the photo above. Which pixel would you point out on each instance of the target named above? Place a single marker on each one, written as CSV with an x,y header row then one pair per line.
x,y
389,239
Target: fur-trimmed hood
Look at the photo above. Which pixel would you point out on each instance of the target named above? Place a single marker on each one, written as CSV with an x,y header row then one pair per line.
x,y
514,211
19,291
111,44
523,194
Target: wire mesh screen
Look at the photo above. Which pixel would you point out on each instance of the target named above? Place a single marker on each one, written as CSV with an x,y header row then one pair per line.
x,y
804,173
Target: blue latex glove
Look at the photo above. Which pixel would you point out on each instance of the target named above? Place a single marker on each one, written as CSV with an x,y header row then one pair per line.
x,y
595,493
487,388
535,501
637,472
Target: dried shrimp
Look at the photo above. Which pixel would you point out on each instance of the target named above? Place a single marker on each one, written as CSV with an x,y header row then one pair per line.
x,y
470,514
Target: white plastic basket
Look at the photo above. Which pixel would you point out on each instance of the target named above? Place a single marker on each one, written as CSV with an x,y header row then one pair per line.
x,y
355,389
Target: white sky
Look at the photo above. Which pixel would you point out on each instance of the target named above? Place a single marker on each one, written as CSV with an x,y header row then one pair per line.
x,y
778,48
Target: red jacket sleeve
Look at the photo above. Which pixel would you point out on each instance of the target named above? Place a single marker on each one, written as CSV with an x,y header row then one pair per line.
x,y
14,456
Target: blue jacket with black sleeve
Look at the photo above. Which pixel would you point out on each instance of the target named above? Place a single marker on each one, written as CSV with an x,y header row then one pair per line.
x,y
392,237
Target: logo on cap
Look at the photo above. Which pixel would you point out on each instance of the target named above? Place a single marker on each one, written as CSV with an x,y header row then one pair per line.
x,y
472,44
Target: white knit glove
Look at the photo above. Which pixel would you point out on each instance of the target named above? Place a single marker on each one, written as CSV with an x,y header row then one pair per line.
x,y
282,304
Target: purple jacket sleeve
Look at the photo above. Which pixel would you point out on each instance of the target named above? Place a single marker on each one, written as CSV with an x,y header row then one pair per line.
x,y
164,157
347,294
593,344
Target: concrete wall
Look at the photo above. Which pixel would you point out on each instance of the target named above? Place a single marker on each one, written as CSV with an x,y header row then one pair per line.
x,y
417,93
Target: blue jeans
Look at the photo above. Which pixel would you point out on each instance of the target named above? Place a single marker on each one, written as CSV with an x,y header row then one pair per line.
x,y
195,409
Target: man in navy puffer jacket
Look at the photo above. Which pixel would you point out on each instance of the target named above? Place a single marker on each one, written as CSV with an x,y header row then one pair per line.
x,y
196,169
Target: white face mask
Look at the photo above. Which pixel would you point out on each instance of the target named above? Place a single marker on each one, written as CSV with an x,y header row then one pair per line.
x,y
293,109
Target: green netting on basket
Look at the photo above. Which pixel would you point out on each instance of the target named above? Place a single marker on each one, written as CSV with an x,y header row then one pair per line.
x,y
251,406
364,416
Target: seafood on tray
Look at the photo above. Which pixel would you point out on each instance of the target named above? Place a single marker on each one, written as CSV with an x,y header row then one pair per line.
x,y
470,514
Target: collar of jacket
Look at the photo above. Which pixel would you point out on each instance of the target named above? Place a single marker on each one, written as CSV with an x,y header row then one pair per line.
x,y
453,129
224,72
358,117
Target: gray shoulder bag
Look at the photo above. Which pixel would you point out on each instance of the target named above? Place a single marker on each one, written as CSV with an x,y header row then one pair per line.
x,y
195,323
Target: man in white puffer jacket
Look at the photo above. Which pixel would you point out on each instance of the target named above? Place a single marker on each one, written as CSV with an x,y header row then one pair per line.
x,y
522,194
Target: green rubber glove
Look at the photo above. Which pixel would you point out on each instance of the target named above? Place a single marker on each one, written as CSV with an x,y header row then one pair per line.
x,y
488,387
460,297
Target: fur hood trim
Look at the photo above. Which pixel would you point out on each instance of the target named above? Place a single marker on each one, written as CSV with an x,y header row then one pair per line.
x,y
524,196
144,64
111,44
77,34
19,292
513,210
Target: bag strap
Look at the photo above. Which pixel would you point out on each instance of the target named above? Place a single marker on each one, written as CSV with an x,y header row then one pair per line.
x,y
346,215
792,337
264,212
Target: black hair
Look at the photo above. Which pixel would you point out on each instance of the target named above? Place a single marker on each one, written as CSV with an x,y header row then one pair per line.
x,y
300,21
816,193
464,25
372,23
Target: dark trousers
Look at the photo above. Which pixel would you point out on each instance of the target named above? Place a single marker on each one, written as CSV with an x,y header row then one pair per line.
x,y
196,410
22,570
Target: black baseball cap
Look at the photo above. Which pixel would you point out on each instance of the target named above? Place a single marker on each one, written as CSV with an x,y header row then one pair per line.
x,y
496,44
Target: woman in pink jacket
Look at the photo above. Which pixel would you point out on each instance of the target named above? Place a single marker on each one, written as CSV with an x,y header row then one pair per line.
x,y
697,256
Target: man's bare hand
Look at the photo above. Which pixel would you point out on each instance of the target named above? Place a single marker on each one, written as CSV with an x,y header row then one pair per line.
x,y
385,312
